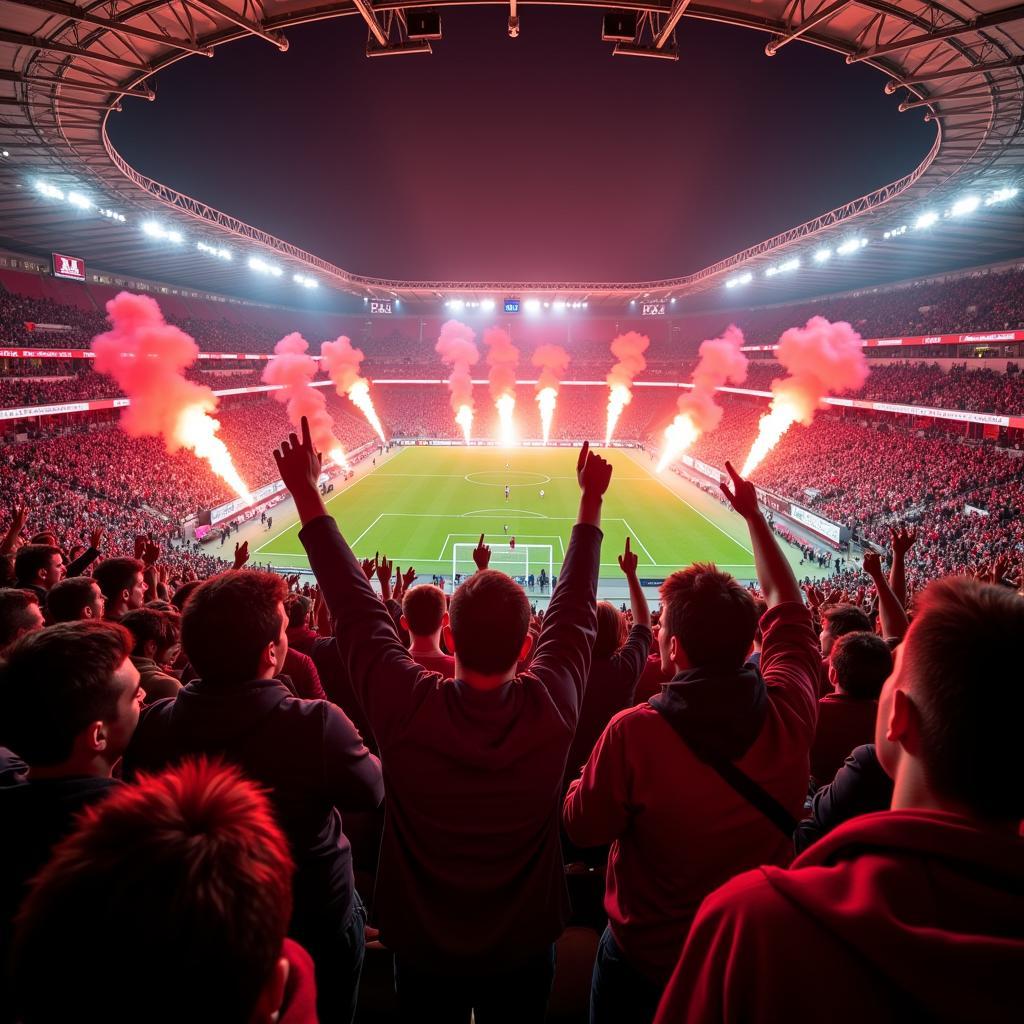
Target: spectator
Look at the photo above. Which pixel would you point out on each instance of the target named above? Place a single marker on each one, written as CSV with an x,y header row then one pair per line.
x,y
858,666
424,617
39,567
156,636
19,614
307,753
75,598
69,702
123,586
939,877
761,608
188,869
839,620
471,892
738,737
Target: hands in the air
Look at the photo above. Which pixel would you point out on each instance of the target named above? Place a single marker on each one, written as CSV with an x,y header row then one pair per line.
x,y
743,496
903,539
241,554
298,461
593,472
482,554
628,562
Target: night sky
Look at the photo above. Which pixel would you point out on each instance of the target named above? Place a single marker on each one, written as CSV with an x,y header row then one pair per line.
x,y
541,157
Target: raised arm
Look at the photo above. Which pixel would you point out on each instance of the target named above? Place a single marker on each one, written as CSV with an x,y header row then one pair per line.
x,y
774,573
18,517
637,602
890,611
902,541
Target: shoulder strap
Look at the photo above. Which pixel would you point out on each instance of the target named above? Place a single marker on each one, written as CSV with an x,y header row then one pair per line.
x,y
747,788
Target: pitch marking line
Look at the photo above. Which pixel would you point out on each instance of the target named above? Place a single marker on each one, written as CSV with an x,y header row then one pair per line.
x,y
643,547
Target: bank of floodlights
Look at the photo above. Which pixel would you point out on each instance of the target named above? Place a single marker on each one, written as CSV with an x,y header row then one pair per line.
x,y
305,280
262,267
214,250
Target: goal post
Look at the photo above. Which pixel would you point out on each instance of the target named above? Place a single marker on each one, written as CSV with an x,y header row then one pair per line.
x,y
518,562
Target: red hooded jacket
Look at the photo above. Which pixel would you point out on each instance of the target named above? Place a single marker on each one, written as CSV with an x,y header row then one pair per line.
x,y
894,916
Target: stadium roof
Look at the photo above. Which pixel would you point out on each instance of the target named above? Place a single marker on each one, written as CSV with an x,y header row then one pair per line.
x,y
65,66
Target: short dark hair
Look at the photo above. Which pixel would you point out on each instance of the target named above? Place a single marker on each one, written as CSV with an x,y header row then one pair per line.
x,y
229,620
30,559
490,616
845,618
424,609
184,592
962,656
115,575
862,662
711,614
56,681
64,603
14,605
147,624
188,865
297,607
611,630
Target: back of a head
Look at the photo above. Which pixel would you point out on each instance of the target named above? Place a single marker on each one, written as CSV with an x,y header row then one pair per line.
x,y
424,608
846,618
30,559
184,592
711,615
18,612
55,682
148,625
188,869
961,667
861,662
297,607
611,630
229,620
67,601
490,616
115,575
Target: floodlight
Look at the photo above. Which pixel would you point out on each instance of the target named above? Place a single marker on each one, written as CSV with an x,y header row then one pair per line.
x,y
174,236
851,245
823,255
532,305
1001,195
48,190
559,305
968,204
77,199
926,220
151,228
487,305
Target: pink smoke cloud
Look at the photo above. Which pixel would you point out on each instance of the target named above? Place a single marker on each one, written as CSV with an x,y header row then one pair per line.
x,y
720,361
552,361
629,349
293,369
342,361
502,358
456,347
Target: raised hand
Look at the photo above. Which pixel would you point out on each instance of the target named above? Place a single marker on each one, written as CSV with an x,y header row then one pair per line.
x,y
873,564
241,554
96,538
150,553
298,462
903,539
743,496
384,568
482,554
397,590
369,567
628,561
140,546
407,579
593,473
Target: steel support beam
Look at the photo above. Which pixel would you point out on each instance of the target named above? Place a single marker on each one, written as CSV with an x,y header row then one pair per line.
x,y
252,27
41,43
73,13
674,16
13,101
819,16
973,90
376,29
971,69
73,83
978,24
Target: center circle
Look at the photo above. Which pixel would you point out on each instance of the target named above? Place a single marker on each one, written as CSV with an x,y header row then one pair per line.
x,y
512,478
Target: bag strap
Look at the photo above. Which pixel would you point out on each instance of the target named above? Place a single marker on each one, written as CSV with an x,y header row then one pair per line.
x,y
747,788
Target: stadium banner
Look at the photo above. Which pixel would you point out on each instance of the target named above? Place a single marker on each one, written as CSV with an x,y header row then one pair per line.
x,y
46,353
816,524
652,309
978,338
381,307
70,268
63,408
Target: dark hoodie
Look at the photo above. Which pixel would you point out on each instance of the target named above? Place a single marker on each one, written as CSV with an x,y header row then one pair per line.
x,y
306,752
896,916
677,830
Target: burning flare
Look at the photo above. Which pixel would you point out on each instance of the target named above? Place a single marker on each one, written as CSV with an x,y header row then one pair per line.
x,y
455,347
503,358
506,406
552,361
822,358
148,358
721,359
292,369
629,349
342,361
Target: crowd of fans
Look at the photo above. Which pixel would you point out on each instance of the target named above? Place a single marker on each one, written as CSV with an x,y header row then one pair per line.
x,y
195,770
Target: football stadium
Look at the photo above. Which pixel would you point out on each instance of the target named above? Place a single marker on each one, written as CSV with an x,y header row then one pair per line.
x,y
526,530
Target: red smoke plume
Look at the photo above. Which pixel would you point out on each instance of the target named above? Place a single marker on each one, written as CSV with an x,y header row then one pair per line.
x,y
502,358
552,361
342,361
456,348
629,349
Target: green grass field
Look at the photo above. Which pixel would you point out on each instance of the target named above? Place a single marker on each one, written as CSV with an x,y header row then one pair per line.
x,y
418,504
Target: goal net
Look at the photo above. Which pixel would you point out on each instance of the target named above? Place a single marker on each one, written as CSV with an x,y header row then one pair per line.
x,y
519,562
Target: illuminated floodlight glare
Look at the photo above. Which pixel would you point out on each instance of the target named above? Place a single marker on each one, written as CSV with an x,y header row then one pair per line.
x,y
80,201
306,282
532,305
151,228
823,255
672,300
783,268
455,305
487,305
926,220
738,280
276,271
559,305
5,153
48,190
896,232
1001,195
585,305
851,245
255,263
964,206
174,236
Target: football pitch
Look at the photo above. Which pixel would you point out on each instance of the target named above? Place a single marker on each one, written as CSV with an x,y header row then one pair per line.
x,y
422,502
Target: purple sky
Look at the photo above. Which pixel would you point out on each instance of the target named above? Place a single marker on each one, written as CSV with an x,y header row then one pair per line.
x,y
540,157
